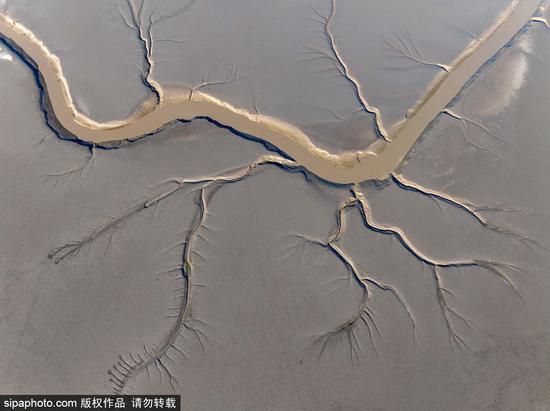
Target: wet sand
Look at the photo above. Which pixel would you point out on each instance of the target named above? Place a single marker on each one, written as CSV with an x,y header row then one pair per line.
x,y
377,162
252,294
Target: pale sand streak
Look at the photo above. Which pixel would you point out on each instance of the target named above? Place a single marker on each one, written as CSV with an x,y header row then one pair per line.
x,y
376,162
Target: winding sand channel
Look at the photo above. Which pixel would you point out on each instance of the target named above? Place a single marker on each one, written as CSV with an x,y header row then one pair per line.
x,y
376,162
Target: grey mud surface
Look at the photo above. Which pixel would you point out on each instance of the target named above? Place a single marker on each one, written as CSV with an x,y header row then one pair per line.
x,y
269,324
278,63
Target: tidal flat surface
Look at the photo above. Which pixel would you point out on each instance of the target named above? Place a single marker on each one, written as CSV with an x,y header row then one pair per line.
x,y
280,63
205,262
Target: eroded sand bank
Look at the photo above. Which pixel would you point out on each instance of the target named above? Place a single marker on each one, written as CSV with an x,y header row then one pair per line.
x,y
377,162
